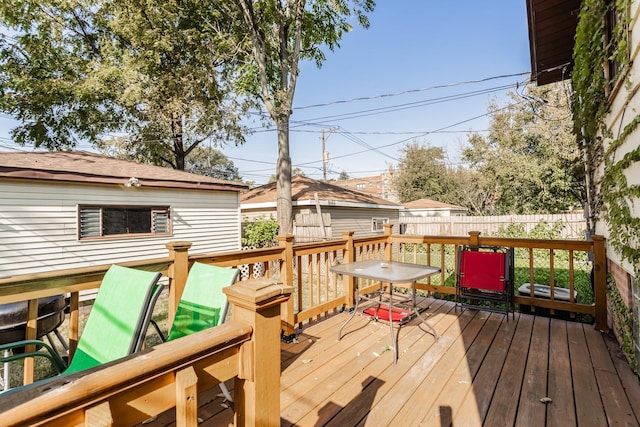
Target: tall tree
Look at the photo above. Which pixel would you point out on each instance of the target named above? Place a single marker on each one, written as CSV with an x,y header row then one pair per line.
x,y
282,33
529,162
202,160
422,173
162,72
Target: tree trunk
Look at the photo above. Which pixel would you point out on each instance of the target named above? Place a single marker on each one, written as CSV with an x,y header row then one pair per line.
x,y
283,182
178,146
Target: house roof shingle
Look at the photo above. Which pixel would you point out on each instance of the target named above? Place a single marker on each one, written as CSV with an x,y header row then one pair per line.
x,y
86,167
305,189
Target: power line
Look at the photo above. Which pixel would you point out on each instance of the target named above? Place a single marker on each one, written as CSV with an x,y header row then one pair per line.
x,y
387,95
407,106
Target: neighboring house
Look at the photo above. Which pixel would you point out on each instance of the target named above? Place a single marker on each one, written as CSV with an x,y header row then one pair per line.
x,y
380,186
63,210
613,89
341,209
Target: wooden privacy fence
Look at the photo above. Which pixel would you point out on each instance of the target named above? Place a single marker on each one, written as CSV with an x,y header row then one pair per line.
x,y
573,224
312,227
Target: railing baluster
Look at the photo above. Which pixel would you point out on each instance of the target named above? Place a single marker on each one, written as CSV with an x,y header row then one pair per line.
x,y
74,322
571,282
186,397
552,283
298,287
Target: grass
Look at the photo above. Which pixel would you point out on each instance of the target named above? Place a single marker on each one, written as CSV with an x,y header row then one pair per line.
x,y
541,269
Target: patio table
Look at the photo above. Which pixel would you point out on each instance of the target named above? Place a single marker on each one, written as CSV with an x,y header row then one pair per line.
x,y
387,272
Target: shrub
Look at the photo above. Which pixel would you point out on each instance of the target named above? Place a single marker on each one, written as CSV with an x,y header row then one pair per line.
x,y
260,232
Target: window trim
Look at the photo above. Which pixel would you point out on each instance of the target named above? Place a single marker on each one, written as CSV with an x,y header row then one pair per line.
x,y
157,209
376,220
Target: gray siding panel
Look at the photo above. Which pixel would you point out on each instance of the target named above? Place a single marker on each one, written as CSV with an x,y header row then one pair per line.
x,y
358,220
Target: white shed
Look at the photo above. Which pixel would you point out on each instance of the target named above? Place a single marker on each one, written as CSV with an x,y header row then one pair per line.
x,y
63,210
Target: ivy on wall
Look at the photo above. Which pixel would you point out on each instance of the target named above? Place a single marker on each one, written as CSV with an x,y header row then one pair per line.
x,y
623,321
612,197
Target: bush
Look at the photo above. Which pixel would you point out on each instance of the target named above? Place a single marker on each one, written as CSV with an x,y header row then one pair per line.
x,y
260,232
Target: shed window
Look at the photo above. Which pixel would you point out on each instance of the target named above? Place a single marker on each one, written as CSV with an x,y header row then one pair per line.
x,y
110,221
377,224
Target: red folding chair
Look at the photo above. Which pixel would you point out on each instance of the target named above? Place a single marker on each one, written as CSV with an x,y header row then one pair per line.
x,y
485,278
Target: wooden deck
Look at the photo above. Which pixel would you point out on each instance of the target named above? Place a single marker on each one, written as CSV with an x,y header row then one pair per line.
x,y
483,370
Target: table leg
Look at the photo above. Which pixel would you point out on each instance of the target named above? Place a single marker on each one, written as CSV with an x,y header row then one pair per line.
x,y
393,338
417,312
355,309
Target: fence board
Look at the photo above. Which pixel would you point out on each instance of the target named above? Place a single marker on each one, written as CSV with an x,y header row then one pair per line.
x,y
574,224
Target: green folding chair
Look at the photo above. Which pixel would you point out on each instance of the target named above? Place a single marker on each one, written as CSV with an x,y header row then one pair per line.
x,y
115,327
203,305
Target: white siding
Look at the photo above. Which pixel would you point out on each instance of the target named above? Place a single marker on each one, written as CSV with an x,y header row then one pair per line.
x,y
38,224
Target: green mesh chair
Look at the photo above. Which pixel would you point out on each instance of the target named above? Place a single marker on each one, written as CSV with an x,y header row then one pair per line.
x,y
115,327
203,305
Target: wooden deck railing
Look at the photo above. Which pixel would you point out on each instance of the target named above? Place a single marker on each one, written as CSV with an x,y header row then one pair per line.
x,y
171,375
318,293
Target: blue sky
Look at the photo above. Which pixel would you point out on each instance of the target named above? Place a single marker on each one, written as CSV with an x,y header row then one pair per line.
x,y
410,45
411,48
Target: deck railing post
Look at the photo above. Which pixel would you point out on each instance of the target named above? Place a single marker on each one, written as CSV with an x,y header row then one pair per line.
x,y
286,276
349,282
474,238
600,282
178,271
388,244
257,302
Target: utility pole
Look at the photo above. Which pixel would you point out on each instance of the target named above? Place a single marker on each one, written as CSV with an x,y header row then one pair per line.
x,y
325,154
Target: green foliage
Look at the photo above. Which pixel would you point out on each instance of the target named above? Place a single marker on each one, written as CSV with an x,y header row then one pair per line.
x,y
423,174
623,321
260,232
614,198
281,35
162,73
542,230
588,101
343,176
211,162
529,161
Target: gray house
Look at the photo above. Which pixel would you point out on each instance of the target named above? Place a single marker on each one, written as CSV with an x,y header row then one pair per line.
x,y
63,210
322,210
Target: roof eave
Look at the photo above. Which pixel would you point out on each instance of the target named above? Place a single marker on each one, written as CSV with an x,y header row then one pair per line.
x,y
28,174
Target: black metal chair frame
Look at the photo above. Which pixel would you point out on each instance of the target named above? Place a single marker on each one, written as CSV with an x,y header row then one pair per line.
x,y
478,289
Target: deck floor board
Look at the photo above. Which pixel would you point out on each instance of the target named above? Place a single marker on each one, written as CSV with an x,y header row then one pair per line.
x,y
561,412
483,370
